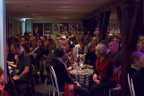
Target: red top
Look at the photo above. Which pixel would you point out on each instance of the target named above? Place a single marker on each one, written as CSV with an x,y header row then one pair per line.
x,y
102,68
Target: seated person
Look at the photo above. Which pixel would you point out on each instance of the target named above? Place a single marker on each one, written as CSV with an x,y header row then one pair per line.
x,y
115,55
91,57
138,79
136,65
79,49
69,53
104,78
2,83
63,75
22,66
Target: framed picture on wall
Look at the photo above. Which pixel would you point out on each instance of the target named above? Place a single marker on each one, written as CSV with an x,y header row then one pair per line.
x,y
72,27
80,27
63,27
56,27
38,29
47,28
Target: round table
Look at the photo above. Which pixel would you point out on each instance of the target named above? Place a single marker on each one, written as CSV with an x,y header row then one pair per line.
x,y
82,74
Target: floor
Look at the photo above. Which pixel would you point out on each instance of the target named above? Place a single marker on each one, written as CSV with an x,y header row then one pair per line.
x,y
41,89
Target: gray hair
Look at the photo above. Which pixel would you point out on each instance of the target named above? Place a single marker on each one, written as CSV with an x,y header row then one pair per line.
x,y
101,49
94,38
137,55
91,44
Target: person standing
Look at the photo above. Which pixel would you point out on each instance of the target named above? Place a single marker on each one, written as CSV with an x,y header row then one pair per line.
x,y
23,73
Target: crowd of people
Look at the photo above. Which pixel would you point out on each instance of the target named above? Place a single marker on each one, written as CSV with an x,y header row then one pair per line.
x,y
32,57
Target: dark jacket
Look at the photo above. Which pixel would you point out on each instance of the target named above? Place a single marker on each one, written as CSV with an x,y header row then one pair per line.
x,y
62,74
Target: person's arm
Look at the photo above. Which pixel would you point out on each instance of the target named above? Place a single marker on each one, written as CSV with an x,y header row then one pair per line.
x,y
116,70
109,70
69,68
12,64
61,70
26,70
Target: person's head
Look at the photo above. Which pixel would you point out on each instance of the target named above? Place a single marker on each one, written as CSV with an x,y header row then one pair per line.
x,y
25,48
44,38
111,38
74,40
59,51
69,34
15,48
91,46
113,46
142,48
94,40
139,46
81,42
48,36
101,50
32,42
136,58
67,46
40,42
2,80
61,43
37,36
105,42
22,40
142,60
87,37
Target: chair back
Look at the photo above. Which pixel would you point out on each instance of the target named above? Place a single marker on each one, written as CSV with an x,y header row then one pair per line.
x,y
54,82
129,83
132,86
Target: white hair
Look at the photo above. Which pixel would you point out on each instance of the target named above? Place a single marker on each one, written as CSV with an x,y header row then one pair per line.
x,y
101,49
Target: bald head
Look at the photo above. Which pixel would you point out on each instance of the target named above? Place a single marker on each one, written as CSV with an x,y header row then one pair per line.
x,y
113,46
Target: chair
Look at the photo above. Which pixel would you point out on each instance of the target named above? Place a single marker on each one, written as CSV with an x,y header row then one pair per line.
x,y
129,83
55,83
117,88
45,87
132,87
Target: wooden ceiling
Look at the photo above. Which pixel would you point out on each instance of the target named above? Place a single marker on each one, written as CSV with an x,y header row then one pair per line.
x,y
52,9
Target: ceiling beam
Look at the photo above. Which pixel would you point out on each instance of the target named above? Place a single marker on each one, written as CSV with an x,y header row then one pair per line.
x,y
108,6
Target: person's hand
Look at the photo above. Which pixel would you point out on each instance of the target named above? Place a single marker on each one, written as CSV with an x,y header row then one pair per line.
x,y
95,77
30,53
16,56
116,70
78,84
69,68
75,63
97,81
15,77
10,63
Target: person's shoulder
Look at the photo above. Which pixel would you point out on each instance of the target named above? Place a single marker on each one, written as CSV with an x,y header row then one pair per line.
x,y
25,54
118,53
